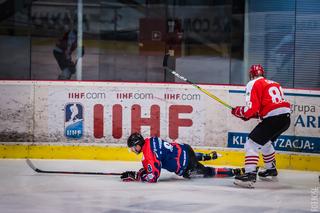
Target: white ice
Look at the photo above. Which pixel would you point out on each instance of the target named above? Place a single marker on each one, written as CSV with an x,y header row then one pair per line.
x,y
23,190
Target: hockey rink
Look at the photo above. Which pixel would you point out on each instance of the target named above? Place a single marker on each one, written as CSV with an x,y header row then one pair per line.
x,y
23,190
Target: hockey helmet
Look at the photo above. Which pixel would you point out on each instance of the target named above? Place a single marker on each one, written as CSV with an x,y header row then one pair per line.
x,y
135,139
256,70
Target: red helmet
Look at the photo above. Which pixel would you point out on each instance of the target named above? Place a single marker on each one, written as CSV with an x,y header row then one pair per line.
x,y
256,70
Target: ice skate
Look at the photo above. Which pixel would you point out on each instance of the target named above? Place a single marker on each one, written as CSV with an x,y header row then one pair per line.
x,y
269,175
246,180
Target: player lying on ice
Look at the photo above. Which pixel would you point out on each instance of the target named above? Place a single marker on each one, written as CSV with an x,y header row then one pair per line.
x,y
174,157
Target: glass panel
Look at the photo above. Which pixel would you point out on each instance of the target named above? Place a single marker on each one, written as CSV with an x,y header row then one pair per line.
x,y
14,40
206,43
271,28
54,39
237,43
120,57
123,40
307,57
127,40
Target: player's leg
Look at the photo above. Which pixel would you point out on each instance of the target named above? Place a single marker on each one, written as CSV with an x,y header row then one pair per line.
x,y
206,156
265,131
268,154
196,169
68,71
279,124
251,161
251,148
72,67
59,56
207,171
63,64
228,172
65,74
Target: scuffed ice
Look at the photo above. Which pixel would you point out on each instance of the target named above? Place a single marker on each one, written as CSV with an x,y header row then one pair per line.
x,y
23,190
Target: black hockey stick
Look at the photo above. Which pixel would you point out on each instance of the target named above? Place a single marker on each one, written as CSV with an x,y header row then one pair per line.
x,y
30,164
173,72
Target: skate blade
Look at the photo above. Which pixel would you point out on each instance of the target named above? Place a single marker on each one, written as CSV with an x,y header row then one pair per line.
x,y
270,179
248,184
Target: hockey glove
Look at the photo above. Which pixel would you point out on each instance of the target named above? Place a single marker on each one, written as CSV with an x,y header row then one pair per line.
x,y
130,176
141,173
238,112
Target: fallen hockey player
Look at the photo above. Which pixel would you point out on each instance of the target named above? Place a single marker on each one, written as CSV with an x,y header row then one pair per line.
x,y
174,157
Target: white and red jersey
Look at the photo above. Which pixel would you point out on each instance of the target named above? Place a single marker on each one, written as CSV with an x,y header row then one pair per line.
x,y
265,98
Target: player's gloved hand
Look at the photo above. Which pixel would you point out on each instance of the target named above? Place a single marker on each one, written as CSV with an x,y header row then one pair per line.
x,y
238,112
141,173
129,176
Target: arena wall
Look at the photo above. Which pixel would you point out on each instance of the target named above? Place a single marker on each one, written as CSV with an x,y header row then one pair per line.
x,y
91,120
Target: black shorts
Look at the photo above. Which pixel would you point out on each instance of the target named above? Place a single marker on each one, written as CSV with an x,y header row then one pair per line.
x,y
195,167
270,128
193,161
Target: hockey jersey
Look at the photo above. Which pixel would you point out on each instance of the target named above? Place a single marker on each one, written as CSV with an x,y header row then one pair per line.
x,y
265,98
158,154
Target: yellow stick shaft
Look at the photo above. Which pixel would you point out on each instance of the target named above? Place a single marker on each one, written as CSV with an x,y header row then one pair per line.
x,y
199,88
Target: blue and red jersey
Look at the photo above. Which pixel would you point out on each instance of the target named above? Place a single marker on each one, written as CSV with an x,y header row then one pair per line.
x,y
158,154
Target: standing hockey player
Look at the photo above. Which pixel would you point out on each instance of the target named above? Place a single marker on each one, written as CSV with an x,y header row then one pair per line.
x,y
63,54
264,99
174,157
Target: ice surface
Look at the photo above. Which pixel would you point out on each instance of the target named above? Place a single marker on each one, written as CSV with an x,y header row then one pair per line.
x,y
23,190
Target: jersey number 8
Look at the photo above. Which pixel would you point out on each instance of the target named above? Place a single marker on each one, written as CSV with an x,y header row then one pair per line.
x,y
168,146
276,94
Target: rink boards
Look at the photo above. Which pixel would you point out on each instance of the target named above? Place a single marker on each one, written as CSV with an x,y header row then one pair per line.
x,y
230,157
91,120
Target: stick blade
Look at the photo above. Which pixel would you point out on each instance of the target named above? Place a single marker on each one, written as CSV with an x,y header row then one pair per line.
x,y
30,164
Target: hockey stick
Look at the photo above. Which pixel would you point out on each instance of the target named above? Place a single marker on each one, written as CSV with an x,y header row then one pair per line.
x,y
30,164
198,87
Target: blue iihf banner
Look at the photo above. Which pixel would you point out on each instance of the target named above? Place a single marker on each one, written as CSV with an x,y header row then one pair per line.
x,y
283,143
73,124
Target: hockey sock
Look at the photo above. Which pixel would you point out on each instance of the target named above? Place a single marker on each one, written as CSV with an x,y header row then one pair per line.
x,y
268,154
251,155
224,172
216,172
209,171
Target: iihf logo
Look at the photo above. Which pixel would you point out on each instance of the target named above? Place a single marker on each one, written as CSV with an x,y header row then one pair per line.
x,y
73,122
